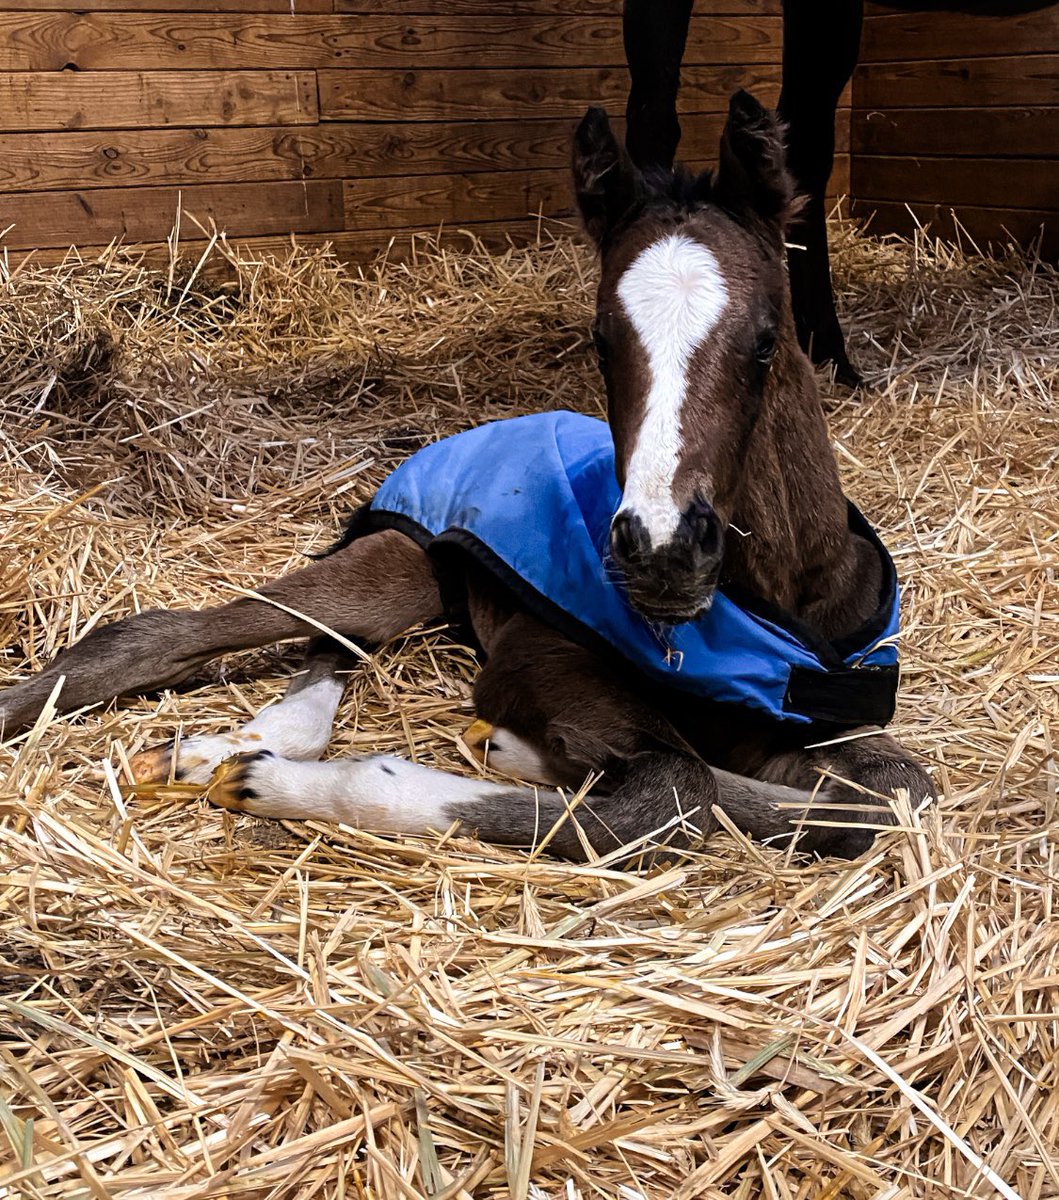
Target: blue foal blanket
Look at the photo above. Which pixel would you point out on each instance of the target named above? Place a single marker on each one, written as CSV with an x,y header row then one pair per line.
x,y
532,498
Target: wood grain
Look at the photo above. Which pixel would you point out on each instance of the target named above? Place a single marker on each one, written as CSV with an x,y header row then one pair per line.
x,y
273,115
984,225
123,100
487,8
349,247
998,132
137,214
903,37
420,202
234,41
333,151
184,6
423,201
459,95
42,161
1028,79
985,182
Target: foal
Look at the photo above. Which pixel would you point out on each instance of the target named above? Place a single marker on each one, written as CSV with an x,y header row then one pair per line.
x,y
726,493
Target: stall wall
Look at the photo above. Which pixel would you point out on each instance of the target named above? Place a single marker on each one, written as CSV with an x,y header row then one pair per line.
x,y
341,120
957,113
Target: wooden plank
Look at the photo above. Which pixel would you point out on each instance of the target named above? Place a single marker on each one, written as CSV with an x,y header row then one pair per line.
x,y
901,37
985,225
487,8
233,41
184,6
117,100
424,201
39,161
1030,79
65,161
284,7
985,182
440,95
146,214
839,183
999,132
349,247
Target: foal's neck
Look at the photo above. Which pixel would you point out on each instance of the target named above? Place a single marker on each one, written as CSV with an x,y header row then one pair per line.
x,y
791,543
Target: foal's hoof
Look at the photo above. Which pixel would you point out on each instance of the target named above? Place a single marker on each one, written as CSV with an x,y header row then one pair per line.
x,y
152,766
477,738
507,753
229,785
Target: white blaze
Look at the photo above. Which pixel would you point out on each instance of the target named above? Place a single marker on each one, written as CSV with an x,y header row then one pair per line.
x,y
673,294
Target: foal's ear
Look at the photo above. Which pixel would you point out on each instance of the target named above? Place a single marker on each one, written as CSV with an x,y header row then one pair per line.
x,y
752,175
605,182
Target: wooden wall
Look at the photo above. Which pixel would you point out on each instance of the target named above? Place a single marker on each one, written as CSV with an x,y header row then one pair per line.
x,y
351,120
345,120
958,112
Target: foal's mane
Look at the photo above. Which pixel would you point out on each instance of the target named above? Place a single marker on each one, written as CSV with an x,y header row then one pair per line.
x,y
662,192
677,191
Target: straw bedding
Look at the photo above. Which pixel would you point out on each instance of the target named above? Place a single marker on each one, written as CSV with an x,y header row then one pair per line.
x,y
193,1005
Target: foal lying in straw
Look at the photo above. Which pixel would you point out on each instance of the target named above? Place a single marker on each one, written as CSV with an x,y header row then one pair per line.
x,y
685,604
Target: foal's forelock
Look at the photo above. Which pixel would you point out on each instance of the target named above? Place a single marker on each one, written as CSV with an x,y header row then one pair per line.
x,y
673,294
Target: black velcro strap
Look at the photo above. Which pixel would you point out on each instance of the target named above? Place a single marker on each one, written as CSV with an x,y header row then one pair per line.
x,y
851,696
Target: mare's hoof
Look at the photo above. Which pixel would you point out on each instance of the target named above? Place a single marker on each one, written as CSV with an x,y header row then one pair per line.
x,y
847,374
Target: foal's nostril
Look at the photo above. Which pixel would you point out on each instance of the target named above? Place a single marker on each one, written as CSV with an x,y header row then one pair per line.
x,y
703,529
628,537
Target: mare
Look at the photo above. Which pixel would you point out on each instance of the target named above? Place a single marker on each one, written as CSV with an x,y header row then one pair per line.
x,y
821,43
727,481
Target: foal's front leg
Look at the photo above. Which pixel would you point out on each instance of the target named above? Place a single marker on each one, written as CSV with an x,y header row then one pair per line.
x,y
297,727
851,779
554,711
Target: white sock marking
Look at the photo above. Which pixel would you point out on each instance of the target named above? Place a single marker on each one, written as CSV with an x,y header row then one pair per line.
x,y
674,294
298,727
388,795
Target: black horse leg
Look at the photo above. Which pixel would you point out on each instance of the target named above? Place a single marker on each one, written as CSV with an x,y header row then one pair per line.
x,y
821,40
655,32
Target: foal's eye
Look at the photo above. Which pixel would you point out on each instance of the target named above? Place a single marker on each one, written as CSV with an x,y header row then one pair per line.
x,y
765,349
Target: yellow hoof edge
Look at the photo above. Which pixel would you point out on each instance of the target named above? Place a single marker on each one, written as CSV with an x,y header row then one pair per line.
x,y
477,737
227,785
151,766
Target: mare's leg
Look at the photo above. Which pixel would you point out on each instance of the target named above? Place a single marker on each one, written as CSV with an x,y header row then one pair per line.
x,y
372,590
655,32
298,726
821,40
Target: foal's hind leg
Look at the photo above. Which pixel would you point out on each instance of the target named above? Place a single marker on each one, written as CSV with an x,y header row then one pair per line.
x,y
372,590
297,727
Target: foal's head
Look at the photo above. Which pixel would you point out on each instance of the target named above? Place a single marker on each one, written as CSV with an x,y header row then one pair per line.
x,y
690,315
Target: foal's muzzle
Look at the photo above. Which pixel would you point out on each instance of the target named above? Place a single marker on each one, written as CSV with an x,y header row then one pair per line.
x,y
674,581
